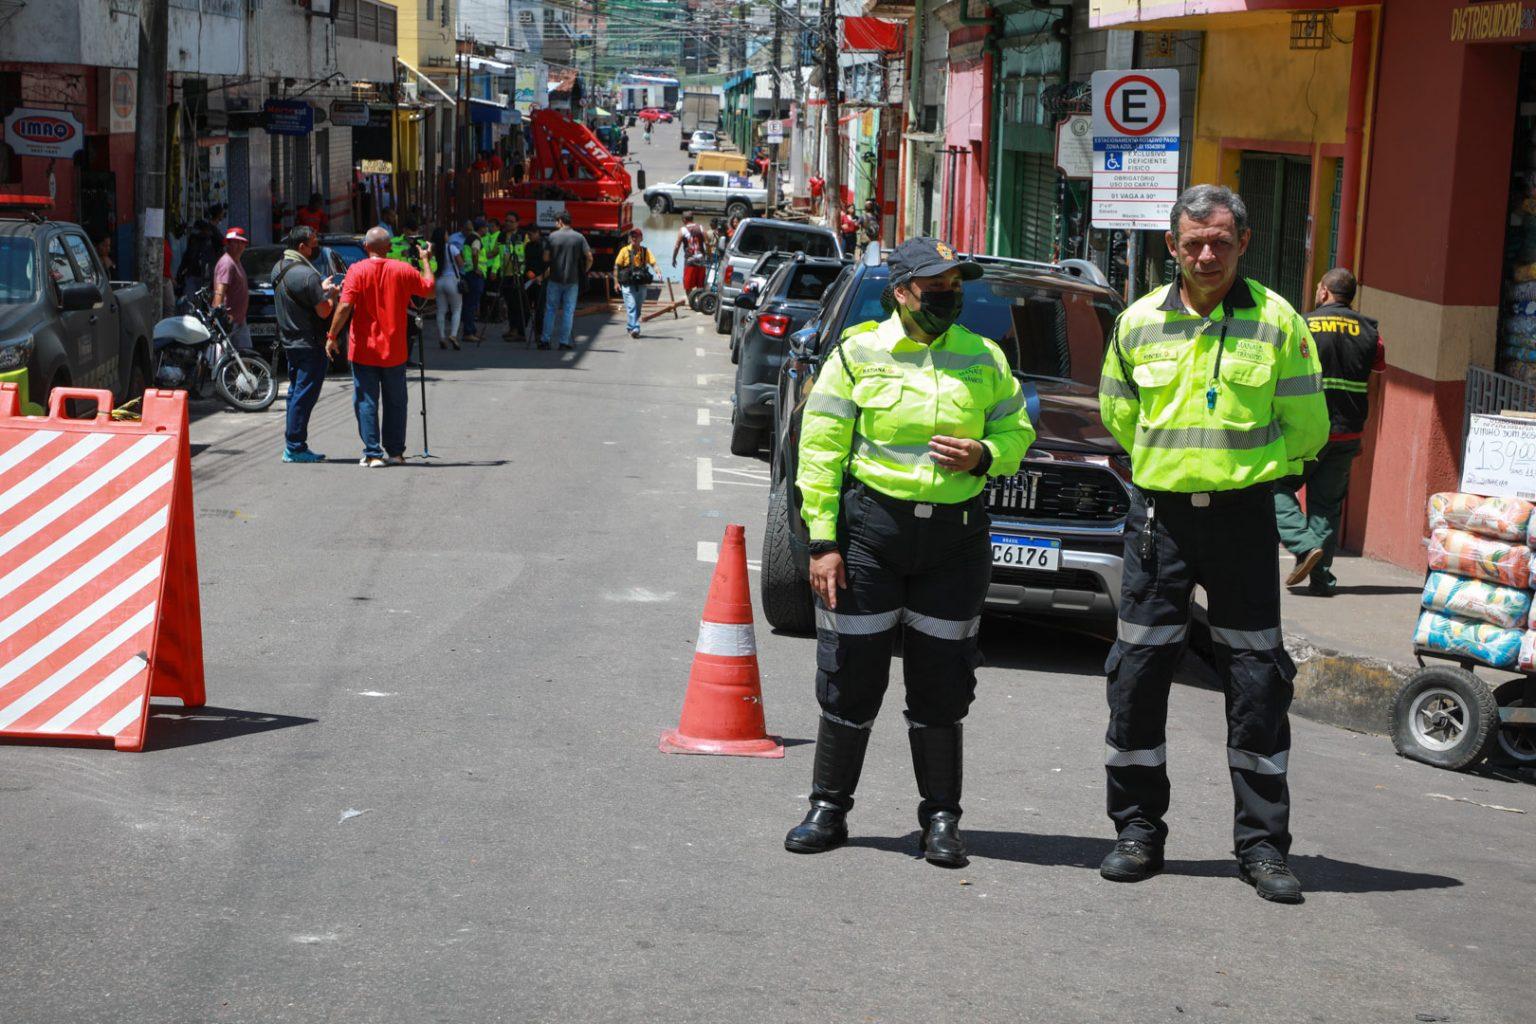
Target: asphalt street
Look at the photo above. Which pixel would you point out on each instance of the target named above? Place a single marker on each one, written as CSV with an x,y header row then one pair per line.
x,y
427,784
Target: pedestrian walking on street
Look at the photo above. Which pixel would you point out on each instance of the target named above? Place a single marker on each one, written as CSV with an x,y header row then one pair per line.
x,y
304,302
848,230
1212,385
691,241
473,254
376,299
632,276
570,257
869,226
231,288
535,265
1350,349
447,266
907,419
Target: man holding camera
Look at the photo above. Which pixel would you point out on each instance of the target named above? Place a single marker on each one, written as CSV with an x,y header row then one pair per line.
x,y
376,299
632,275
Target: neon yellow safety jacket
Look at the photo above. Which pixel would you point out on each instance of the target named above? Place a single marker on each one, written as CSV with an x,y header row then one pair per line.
x,y
881,397
514,255
1213,403
490,253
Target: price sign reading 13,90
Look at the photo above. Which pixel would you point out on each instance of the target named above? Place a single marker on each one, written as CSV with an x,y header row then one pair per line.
x,y
1500,457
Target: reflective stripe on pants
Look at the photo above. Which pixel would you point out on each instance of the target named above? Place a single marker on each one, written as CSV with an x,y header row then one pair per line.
x,y
927,575
1228,548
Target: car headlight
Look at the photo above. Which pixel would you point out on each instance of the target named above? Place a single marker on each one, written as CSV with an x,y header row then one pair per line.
x,y
15,354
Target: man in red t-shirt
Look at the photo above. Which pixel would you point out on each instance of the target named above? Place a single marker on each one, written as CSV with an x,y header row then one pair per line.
x,y
376,299
312,215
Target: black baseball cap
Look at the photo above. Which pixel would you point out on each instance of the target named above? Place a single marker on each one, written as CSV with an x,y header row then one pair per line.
x,y
927,257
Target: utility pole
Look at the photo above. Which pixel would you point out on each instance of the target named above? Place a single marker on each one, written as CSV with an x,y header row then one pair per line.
x,y
831,85
149,154
778,74
591,94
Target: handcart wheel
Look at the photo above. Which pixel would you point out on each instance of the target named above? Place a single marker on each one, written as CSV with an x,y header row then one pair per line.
x,y
1516,742
1444,716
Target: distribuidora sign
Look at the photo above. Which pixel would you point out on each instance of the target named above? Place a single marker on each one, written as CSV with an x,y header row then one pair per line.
x,y
51,133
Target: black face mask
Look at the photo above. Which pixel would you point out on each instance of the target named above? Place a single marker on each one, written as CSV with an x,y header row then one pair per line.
x,y
937,310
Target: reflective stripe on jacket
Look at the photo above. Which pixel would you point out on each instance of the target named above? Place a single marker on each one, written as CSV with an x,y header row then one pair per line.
x,y
881,397
1213,403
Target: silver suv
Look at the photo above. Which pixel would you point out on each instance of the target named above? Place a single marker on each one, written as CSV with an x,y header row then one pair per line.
x,y
753,237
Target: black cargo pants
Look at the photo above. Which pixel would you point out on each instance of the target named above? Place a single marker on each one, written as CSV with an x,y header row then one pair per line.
x,y
1225,542
925,567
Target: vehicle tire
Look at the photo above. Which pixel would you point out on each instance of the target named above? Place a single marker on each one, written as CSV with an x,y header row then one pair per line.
x,y
746,440
661,205
722,318
1516,743
258,389
139,375
708,303
787,602
1445,717
735,349
738,208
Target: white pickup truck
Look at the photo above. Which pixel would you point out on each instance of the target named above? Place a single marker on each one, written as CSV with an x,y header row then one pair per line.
x,y
707,192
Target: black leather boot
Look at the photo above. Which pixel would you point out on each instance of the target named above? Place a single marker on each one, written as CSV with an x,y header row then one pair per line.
x,y
1132,861
936,761
1271,878
839,759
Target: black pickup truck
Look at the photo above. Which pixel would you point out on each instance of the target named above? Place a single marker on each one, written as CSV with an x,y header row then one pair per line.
x,y
1057,524
63,321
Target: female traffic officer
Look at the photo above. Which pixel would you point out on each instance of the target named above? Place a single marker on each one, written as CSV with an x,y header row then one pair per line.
x,y
906,420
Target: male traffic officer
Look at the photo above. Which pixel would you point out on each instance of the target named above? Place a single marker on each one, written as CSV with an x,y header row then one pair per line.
x,y
1350,350
1212,385
513,262
906,420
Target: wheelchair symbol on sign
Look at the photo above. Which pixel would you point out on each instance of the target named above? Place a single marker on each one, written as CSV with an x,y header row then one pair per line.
x,y
1112,161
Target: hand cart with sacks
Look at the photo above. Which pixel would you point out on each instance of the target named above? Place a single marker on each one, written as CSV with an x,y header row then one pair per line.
x,y
1474,695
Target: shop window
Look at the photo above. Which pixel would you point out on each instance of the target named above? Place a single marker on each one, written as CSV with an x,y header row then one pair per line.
x,y
1277,190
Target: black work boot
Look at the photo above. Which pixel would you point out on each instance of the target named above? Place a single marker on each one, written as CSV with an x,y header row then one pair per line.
x,y
839,759
936,761
1132,861
1270,877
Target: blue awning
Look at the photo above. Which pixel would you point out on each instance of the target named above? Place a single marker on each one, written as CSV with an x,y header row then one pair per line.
x,y
488,112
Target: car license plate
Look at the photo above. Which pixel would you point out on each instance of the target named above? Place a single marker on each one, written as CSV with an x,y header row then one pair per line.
x,y
1026,552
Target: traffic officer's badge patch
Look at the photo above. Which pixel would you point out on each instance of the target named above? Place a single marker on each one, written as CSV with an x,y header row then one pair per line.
x,y
945,251
1303,348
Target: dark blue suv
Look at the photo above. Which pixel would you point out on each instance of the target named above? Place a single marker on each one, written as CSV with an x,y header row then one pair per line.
x,y
1057,524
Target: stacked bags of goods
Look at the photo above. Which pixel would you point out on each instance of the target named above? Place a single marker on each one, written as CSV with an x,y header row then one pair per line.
x,y
1517,320
1477,599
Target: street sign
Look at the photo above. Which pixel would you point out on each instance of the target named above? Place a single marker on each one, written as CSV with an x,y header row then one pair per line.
x,y
774,132
1074,146
31,131
288,117
349,113
1135,148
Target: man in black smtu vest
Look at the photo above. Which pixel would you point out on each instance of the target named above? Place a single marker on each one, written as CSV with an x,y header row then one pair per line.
x,y
1350,350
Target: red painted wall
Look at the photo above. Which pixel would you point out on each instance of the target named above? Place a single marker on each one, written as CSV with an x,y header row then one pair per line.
x,y
1440,154
1435,208
967,106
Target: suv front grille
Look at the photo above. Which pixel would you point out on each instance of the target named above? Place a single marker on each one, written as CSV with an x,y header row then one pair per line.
x,y
1040,579
1067,492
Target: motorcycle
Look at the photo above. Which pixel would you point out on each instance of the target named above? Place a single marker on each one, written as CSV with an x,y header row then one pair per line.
x,y
195,349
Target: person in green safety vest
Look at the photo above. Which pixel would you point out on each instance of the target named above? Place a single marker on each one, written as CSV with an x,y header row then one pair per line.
x,y
907,419
490,257
1212,385
405,245
513,260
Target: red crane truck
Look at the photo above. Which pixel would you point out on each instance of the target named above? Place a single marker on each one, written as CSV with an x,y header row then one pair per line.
x,y
570,170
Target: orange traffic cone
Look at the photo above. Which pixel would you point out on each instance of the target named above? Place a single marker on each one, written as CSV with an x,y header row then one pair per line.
x,y
723,710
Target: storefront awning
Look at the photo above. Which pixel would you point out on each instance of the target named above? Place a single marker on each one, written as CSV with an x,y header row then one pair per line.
x,y
488,112
427,81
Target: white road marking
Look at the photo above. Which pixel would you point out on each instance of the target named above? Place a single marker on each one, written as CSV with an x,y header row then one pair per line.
x,y
754,474
704,474
702,380
701,351
703,417
641,595
745,483
699,329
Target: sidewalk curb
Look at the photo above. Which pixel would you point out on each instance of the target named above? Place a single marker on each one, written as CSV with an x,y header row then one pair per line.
x,y
1345,690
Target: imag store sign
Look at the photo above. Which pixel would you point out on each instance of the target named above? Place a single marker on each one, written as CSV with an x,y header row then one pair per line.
x,y
49,133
